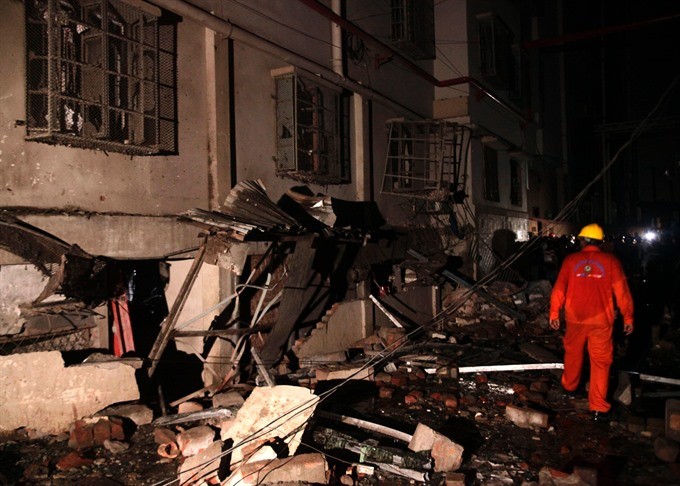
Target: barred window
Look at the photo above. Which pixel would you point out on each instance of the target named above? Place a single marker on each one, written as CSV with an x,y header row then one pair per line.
x,y
101,74
312,139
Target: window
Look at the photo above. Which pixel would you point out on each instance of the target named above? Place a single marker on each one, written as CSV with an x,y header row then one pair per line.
x,y
497,61
413,28
491,192
100,74
515,182
312,140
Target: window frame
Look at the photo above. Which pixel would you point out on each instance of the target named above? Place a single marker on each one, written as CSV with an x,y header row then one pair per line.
x,y
312,129
101,75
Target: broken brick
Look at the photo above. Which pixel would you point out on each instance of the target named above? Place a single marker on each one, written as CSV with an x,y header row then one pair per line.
x,y
80,435
73,460
399,380
101,431
117,428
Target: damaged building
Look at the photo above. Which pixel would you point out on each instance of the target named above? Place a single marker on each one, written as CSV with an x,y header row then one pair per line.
x,y
213,212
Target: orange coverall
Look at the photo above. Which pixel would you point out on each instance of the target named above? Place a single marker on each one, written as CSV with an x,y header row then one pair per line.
x,y
589,286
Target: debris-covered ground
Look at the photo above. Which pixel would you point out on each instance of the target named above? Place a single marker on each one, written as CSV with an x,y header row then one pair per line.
x,y
515,426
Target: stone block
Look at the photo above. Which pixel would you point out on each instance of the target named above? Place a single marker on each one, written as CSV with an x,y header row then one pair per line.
x,y
228,399
526,417
81,435
194,440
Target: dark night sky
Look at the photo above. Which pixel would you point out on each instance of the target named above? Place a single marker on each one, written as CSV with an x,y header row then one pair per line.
x,y
640,63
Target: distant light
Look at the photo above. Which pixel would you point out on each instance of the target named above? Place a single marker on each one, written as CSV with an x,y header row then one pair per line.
x,y
650,236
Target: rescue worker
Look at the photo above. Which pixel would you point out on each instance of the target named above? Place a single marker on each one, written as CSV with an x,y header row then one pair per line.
x,y
590,284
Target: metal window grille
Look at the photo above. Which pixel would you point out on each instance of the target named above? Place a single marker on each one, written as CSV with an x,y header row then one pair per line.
x,y
426,159
413,28
100,74
313,131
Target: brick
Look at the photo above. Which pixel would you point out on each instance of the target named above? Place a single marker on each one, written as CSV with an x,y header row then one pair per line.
x,y
666,449
117,428
450,400
526,417
399,380
101,431
413,397
194,440
383,377
655,426
454,479
80,435
73,460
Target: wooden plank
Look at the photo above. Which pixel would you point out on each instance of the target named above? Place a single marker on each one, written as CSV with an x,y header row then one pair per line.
x,y
294,299
171,320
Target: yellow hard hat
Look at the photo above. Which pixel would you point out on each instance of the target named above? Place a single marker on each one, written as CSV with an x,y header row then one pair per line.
x,y
592,231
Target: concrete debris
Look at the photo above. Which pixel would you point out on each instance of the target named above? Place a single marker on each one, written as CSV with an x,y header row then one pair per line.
x,y
553,477
194,440
49,404
202,466
228,399
526,417
137,413
115,446
304,468
347,372
189,407
272,412
447,455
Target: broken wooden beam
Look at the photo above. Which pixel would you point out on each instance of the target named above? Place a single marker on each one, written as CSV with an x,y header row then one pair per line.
x,y
170,321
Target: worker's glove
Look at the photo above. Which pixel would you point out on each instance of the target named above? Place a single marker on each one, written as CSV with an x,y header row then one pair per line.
x,y
628,329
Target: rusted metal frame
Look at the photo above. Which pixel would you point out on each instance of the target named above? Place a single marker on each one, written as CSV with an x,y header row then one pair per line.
x,y
168,325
